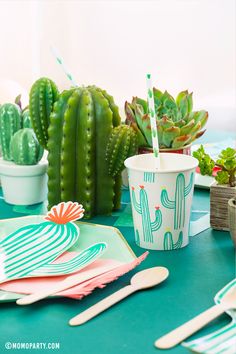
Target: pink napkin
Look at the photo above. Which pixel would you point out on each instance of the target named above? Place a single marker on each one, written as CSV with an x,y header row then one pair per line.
x,y
117,269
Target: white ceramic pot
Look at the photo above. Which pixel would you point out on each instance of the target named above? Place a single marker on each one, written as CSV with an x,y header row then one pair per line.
x,y
23,185
161,199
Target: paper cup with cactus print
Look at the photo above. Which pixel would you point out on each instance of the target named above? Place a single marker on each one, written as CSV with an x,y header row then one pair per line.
x,y
161,199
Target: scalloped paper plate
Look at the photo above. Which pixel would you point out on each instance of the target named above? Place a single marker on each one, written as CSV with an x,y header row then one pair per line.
x,y
117,247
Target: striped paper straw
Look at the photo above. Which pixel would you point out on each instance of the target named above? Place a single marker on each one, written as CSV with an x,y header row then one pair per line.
x,y
151,108
63,66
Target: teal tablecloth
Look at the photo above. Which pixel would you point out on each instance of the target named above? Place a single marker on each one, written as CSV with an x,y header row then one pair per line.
x,y
197,273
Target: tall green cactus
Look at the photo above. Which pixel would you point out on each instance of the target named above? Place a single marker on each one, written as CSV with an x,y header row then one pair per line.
x,y
10,122
80,125
25,148
121,145
178,204
43,94
143,209
168,243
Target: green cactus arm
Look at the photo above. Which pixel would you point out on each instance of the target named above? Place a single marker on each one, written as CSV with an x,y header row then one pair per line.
x,y
43,94
104,182
166,202
116,119
10,123
117,192
168,243
188,188
85,154
68,147
156,224
179,242
121,145
135,204
55,133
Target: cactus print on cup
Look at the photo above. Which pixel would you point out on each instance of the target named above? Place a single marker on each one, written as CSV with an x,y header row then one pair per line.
x,y
149,177
161,200
143,209
178,204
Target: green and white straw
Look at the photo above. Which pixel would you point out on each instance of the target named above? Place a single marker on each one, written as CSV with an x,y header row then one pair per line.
x,y
63,66
151,108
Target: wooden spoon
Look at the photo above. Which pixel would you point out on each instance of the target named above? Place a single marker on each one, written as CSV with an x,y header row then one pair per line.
x,y
187,329
142,280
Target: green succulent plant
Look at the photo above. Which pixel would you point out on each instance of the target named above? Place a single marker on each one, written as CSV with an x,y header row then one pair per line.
x,y
226,161
177,124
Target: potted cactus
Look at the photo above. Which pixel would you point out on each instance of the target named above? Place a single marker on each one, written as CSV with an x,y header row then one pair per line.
x,y
23,177
224,187
177,124
87,145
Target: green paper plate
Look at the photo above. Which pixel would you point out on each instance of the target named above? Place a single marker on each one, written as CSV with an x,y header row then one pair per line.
x,y
118,248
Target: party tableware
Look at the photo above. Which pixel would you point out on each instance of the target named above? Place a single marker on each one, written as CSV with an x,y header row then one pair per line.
x,y
117,247
222,340
144,279
226,301
161,199
36,245
80,261
63,285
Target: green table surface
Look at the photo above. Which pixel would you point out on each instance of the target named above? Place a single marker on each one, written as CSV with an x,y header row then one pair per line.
x,y
197,273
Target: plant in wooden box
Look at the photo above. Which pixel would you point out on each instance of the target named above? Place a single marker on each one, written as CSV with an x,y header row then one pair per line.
x,y
225,186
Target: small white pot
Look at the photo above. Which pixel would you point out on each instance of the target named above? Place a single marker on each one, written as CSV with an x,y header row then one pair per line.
x,y
23,185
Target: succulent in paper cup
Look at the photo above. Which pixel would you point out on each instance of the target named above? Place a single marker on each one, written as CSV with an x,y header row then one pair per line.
x,y
177,124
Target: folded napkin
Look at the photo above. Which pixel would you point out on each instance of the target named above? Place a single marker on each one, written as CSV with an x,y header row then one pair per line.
x,y
116,269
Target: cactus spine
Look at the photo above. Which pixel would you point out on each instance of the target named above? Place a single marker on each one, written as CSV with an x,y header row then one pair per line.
x,y
10,122
169,244
143,209
43,94
121,145
80,125
178,204
25,148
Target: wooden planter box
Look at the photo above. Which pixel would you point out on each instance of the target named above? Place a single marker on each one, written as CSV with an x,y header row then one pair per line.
x,y
232,219
219,197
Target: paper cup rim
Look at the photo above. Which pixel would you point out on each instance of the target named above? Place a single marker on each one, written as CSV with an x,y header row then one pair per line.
x,y
193,163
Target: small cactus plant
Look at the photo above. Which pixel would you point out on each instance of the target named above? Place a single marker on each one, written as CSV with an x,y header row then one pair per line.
x,y
177,124
25,148
10,122
43,94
